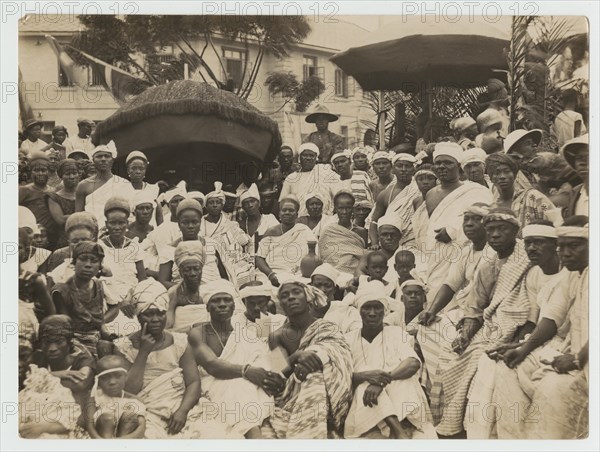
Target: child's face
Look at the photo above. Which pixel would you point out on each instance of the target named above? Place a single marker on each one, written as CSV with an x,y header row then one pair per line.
x,y
87,266
413,297
404,265
377,268
113,384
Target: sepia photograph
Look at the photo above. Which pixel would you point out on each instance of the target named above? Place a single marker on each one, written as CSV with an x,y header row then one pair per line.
x,y
299,224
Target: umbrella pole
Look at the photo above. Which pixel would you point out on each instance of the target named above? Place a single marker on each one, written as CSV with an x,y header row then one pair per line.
x,y
381,121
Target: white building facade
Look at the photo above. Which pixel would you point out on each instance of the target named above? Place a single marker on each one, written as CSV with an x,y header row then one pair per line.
x,y
55,102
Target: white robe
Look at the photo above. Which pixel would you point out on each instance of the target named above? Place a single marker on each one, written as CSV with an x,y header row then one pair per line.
x,y
402,398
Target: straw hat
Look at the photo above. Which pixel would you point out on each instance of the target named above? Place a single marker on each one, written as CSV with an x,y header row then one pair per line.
x,y
321,110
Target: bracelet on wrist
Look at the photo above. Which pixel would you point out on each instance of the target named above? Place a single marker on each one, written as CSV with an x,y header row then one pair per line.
x,y
245,370
576,362
270,274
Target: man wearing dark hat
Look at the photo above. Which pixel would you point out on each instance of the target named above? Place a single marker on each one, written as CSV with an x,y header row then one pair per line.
x,y
327,141
83,138
33,130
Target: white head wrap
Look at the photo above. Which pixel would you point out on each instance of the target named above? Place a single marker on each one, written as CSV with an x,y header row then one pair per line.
x,y
412,282
197,195
314,297
473,155
109,147
256,291
372,291
141,197
478,208
179,190
207,291
366,150
27,219
148,294
136,155
539,230
404,157
453,150
217,193
381,155
315,194
309,147
328,271
390,219
345,153
574,231
425,171
251,193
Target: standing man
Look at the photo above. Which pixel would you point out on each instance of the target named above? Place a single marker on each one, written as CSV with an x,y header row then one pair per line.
x,y
92,193
83,138
312,178
327,142
33,130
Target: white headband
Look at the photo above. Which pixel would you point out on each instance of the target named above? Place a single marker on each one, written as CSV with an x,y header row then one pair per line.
x,y
381,155
105,372
423,172
573,231
539,230
256,291
404,157
345,153
412,282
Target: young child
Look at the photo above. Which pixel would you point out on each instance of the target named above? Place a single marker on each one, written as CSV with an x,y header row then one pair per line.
x,y
82,296
377,267
113,413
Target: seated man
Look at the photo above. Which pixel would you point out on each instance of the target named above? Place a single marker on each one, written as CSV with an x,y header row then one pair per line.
x,y
232,366
315,398
282,247
549,371
497,306
256,296
346,317
413,297
387,392
342,244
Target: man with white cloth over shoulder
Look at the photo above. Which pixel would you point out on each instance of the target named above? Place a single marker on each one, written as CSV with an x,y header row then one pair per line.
x,y
445,205
232,364
387,392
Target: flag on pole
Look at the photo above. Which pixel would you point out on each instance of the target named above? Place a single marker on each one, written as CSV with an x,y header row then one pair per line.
x,y
121,84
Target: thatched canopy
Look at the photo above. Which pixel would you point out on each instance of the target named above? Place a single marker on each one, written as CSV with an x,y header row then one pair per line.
x,y
201,114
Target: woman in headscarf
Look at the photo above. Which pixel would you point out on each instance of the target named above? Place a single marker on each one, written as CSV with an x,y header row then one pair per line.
x,y
31,258
81,297
79,226
164,374
137,165
316,220
142,207
62,202
186,306
527,204
255,223
58,382
59,142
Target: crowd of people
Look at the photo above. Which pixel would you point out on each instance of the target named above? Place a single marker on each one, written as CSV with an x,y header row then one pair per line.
x,y
439,293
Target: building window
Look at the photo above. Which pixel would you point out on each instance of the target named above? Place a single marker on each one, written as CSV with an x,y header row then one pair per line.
x,y
234,61
341,83
310,69
94,77
159,64
344,133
